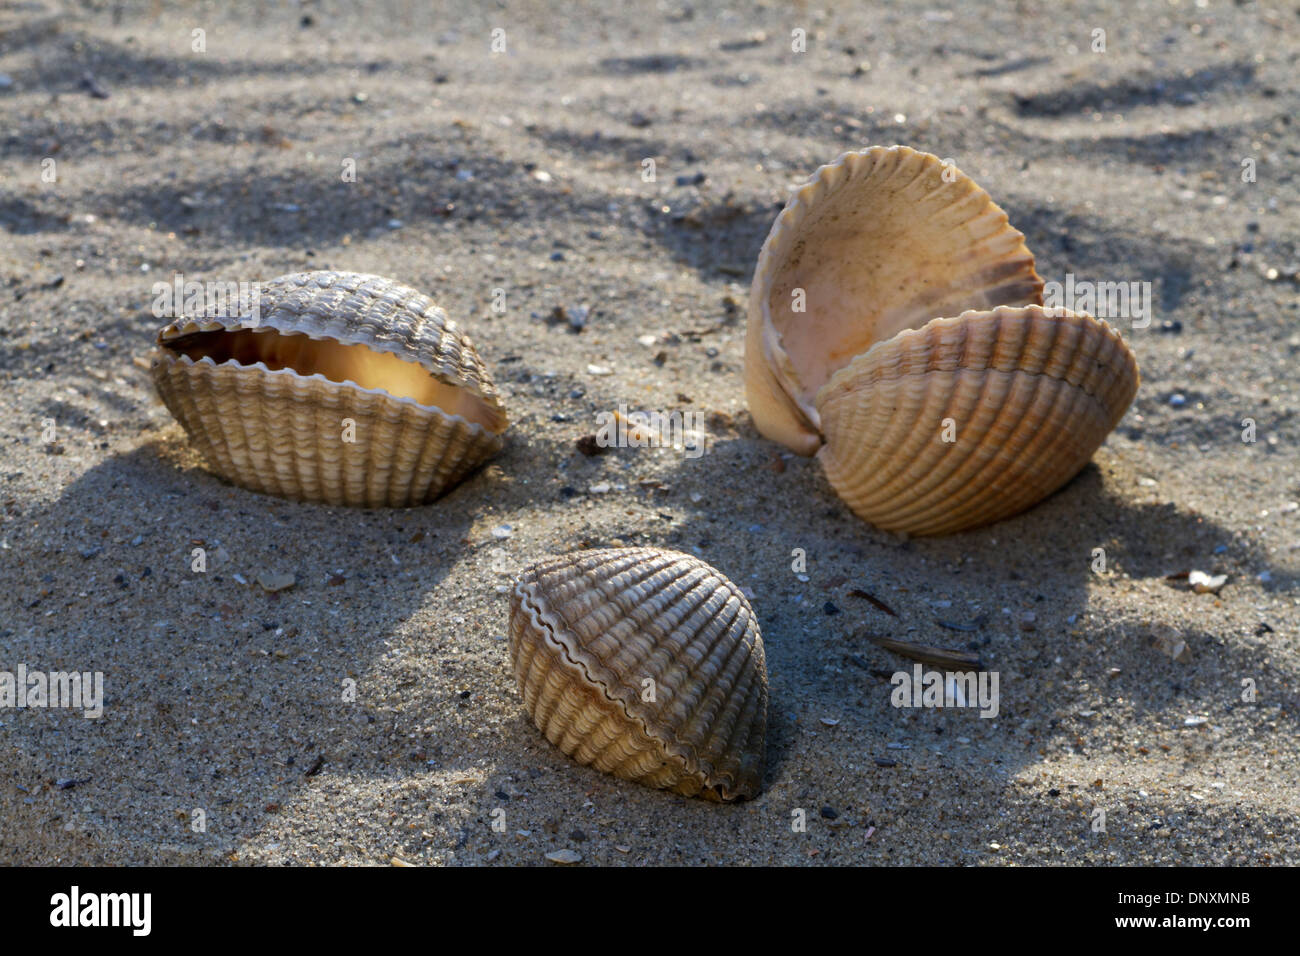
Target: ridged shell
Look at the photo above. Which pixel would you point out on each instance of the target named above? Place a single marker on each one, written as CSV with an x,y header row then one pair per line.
x,y
1030,395
587,630
265,398
895,253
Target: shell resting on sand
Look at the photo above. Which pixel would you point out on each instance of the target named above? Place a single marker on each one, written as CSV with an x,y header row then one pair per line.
x,y
896,331
333,387
646,664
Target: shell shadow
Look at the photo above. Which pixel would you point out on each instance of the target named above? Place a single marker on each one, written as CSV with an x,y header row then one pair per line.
x,y
218,695
831,684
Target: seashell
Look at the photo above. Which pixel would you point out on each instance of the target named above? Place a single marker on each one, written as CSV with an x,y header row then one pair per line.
x,y
882,338
333,387
646,664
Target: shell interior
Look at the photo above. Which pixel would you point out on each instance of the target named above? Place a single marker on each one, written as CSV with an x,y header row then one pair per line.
x,y
879,241
334,361
335,387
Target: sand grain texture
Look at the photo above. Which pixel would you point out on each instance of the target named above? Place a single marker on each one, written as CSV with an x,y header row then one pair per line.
x,y
521,172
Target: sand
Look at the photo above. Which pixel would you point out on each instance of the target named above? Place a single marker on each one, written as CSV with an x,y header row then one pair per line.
x,y
522,171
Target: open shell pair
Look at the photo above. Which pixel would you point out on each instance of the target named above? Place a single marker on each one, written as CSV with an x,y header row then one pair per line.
x,y
896,331
332,387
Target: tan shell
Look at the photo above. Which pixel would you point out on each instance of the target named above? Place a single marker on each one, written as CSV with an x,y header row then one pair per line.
x,y
901,264
266,397
1030,396
589,629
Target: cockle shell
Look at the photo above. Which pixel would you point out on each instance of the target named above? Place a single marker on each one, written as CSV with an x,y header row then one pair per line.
x,y
646,664
339,388
896,331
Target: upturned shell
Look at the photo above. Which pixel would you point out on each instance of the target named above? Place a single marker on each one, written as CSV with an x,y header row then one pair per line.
x,y
877,341
646,664
340,388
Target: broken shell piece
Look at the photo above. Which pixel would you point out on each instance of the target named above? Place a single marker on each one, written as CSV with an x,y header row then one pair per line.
x,y
564,857
271,581
878,339
1203,583
645,664
334,387
1166,639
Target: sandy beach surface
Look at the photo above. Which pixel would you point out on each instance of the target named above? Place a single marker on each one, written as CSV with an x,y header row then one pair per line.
x,y
521,170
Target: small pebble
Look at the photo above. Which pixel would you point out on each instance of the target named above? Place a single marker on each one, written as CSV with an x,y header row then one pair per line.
x,y
590,446
564,857
93,86
1177,400
577,317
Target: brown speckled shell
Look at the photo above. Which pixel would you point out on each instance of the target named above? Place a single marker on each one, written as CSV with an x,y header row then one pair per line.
x,y
588,629
280,432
